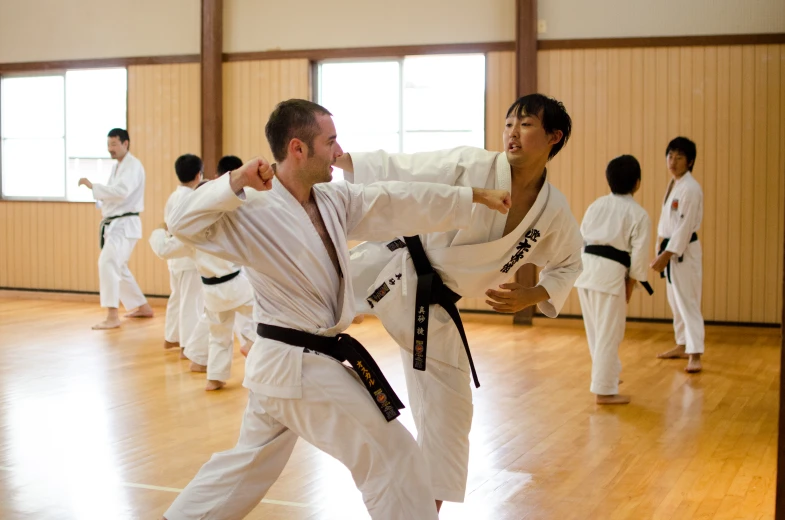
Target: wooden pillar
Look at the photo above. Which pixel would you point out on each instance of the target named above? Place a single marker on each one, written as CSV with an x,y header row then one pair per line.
x,y
212,84
526,61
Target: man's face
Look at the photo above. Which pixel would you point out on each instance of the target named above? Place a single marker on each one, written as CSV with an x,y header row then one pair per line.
x,y
525,139
117,149
677,163
326,150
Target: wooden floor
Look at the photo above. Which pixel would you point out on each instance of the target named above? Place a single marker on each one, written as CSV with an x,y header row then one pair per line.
x,y
106,425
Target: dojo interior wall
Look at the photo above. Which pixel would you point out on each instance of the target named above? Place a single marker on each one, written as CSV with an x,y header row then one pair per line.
x,y
728,98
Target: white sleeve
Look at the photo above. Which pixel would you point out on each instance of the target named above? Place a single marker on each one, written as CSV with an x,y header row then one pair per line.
x,y
167,247
128,182
639,258
690,214
558,277
207,220
385,210
443,166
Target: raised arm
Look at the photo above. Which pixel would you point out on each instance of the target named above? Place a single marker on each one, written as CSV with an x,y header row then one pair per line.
x,y
128,182
386,210
464,166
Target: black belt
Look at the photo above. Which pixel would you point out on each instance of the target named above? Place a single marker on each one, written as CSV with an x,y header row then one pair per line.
x,y
220,279
343,347
431,289
617,255
663,246
105,222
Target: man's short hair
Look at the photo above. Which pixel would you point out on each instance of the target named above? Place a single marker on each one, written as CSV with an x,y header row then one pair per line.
x,y
293,119
228,163
685,147
119,133
187,167
623,173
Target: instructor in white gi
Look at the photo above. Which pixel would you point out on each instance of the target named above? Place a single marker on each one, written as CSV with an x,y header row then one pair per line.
x,y
292,240
539,229
121,201
680,258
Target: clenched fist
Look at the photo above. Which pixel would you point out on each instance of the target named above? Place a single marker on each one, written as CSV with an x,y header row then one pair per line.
x,y
498,200
256,174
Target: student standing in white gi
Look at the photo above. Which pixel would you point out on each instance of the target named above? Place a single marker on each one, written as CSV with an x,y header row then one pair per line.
x,y
121,200
539,229
680,258
616,235
292,240
184,279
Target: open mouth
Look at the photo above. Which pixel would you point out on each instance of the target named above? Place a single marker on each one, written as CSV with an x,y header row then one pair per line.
x,y
514,147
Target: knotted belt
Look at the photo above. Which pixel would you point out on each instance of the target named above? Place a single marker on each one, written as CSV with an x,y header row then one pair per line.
x,y
617,255
664,245
343,347
431,290
105,222
220,279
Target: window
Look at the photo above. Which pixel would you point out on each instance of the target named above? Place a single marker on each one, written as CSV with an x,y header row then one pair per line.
x,y
413,104
53,129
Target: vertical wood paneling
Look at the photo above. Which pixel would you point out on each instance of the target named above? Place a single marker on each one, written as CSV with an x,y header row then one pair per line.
x,y
251,89
54,245
729,100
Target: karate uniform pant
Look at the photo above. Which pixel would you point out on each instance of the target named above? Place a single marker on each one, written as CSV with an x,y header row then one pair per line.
x,y
604,316
221,344
441,402
117,284
336,415
172,325
684,297
193,329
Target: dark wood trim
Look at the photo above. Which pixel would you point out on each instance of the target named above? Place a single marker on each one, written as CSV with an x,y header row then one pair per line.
x,y
663,41
779,508
371,52
526,83
212,85
35,66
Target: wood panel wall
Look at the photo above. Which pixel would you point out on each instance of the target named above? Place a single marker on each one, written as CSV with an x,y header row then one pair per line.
x,y
251,89
54,245
730,100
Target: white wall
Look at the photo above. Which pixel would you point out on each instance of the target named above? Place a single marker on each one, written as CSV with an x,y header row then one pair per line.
x,y
575,19
44,30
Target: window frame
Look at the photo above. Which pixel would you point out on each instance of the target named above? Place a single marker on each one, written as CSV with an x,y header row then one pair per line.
x,y
53,72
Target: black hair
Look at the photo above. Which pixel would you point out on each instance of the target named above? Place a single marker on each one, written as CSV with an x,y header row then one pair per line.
x,y
623,173
120,134
293,119
550,111
684,146
228,163
187,167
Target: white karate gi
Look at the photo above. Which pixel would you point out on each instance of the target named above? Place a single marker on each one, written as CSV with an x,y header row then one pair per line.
x,y
293,394
682,213
620,222
123,193
185,301
469,262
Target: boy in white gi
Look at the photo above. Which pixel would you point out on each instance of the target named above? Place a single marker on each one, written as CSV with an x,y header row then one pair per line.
x,y
438,269
121,200
616,235
292,240
680,258
183,326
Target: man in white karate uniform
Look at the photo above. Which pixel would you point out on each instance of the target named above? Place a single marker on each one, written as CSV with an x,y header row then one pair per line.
x,y
121,200
412,284
292,241
184,308
680,257
616,235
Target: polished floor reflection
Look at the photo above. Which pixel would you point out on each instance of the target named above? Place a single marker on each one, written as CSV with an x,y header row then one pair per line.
x,y
107,425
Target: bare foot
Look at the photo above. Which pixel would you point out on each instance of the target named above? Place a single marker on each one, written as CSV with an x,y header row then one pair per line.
x,y
213,384
196,367
182,354
246,348
358,319
145,311
107,324
613,399
694,364
168,345
674,353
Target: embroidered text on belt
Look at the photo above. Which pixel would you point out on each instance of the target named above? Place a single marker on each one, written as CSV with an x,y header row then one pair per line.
x,y
664,245
431,289
216,280
105,222
343,347
617,255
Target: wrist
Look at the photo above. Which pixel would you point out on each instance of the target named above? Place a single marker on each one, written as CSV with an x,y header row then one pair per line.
x,y
479,195
237,181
